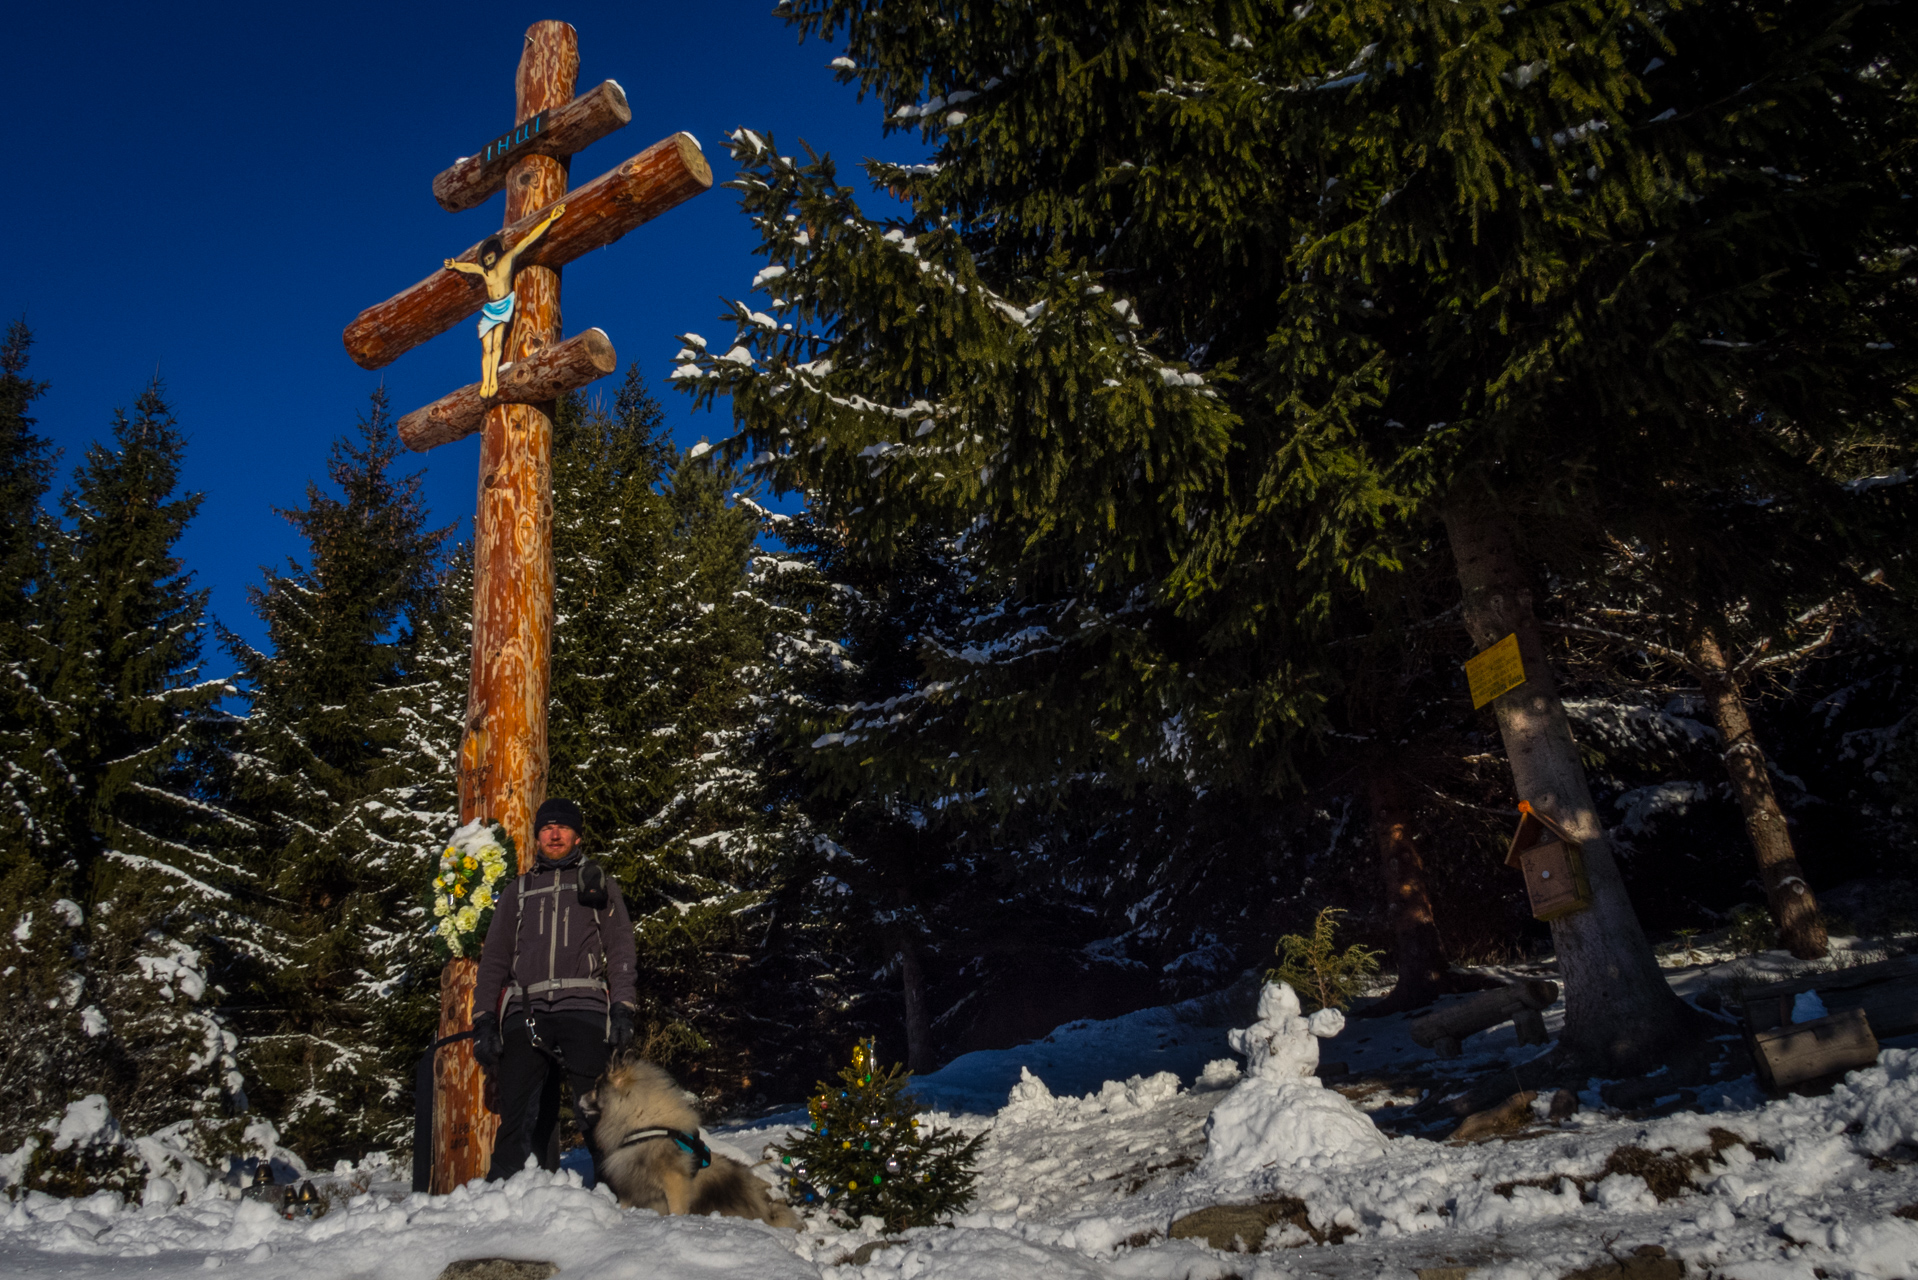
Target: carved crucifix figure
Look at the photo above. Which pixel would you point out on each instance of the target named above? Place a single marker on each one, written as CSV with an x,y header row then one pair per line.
x,y
502,760
495,270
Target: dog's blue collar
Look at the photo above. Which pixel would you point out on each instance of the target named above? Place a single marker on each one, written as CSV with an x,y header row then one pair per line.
x,y
687,1142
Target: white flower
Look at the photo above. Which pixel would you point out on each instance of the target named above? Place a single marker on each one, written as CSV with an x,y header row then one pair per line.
x,y
440,907
468,917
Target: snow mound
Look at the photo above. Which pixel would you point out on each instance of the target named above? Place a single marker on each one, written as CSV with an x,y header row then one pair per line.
x,y
531,1215
86,1123
1280,1115
1031,1102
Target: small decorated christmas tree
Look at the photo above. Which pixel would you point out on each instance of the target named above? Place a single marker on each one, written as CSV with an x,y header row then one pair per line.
x,y
865,1152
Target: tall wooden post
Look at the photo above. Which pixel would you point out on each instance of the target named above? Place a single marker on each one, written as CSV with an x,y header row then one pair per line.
x,y
503,757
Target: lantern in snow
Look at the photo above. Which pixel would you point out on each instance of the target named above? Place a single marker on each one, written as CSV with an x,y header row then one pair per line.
x,y
1553,866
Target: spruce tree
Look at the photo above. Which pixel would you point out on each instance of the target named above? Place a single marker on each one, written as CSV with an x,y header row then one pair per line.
x,y
667,677
864,1153
1480,267
349,782
144,898
26,591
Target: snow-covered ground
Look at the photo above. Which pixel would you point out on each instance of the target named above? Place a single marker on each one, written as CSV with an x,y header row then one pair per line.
x,y
1104,1134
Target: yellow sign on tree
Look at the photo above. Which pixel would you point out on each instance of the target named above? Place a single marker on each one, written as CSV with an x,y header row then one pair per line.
x,y
1497,670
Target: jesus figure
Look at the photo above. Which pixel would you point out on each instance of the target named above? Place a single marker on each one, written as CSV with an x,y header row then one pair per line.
x,y
495,268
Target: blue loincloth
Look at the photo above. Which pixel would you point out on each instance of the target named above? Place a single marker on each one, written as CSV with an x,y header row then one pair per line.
x,y
495,314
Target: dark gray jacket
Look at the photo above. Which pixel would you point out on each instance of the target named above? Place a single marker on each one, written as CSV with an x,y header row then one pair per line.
x,y
569,957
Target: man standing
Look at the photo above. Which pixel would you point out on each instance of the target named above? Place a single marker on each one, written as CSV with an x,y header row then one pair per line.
x,y
560,952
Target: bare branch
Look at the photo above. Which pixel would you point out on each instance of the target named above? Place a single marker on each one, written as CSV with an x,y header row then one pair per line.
x,y
1790,655
1650,647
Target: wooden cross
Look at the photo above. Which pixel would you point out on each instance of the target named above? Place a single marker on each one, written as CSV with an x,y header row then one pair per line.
x,y
502,769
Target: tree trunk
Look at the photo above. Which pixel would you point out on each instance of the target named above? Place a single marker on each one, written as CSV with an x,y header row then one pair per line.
x,y
1792,905
1424,974
912,975
1620,1015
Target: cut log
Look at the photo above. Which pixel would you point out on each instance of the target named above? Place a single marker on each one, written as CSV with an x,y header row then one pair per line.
x,y
1791,1055
538,379
569,129
1886,992
1445,1029
665,174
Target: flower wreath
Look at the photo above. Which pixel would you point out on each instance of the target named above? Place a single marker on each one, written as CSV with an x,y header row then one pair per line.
x,y
471,870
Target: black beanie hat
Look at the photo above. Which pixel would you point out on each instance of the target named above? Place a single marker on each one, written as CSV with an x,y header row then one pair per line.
x,y
564,812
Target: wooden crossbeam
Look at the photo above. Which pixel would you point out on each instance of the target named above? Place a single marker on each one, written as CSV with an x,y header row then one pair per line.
x,y
566,130
562,367
663,175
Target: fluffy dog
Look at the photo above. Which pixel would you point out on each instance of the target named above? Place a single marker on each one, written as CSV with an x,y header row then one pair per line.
x,y
642,1124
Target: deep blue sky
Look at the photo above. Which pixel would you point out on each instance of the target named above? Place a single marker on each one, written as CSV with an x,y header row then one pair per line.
x,y
210,192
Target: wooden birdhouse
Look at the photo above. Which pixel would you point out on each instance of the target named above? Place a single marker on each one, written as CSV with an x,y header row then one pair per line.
x,y
1551,861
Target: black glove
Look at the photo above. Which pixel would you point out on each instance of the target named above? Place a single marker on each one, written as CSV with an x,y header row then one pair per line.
x,y
487,1044
620,1034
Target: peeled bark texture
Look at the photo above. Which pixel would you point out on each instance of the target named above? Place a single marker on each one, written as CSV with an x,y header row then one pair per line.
x,y
503,755
666,174
543,378
463,1128
1424,974
1793,908
569,130
513,518
1620,1015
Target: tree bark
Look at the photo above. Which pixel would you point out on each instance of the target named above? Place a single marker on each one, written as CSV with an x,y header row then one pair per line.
x,y
912,977
1424,973
569,129
1793,907
513,520
463,1128
503,756
658,178
543,378
1620,1015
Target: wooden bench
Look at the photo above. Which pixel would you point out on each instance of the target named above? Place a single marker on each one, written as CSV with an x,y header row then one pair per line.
x,y
1522,1003
1861,1004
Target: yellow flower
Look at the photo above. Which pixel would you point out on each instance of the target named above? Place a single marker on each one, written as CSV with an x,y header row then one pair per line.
x,y
438,882
482,897
468,917
439,907
459,891
470,862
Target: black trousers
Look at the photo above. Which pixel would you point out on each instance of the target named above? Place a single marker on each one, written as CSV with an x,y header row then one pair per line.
x,y
529,1077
